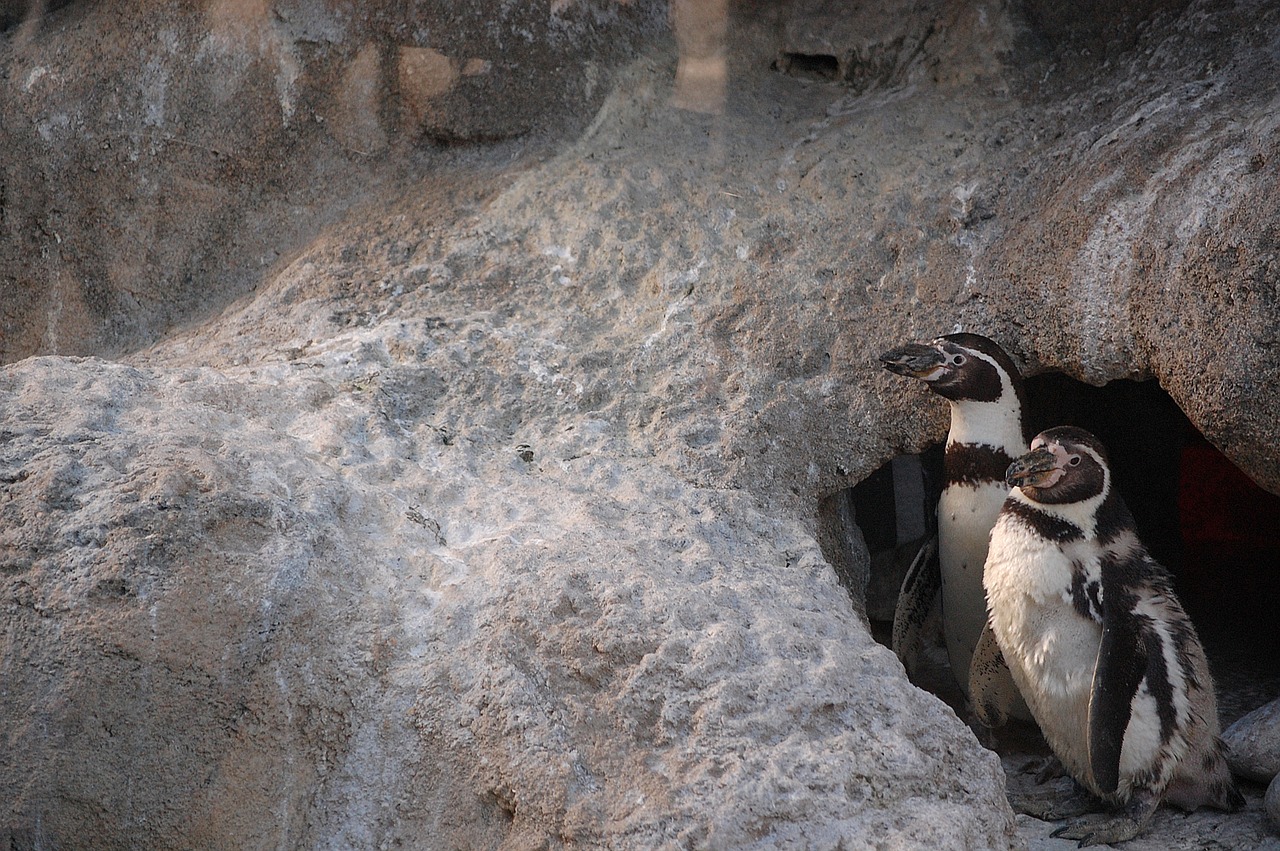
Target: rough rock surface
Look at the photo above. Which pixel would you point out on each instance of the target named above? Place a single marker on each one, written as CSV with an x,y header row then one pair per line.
x,y
312,618
1272,803
1254,743
469,496
157,159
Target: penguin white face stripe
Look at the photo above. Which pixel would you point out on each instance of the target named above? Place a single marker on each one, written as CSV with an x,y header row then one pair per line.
x,y
997,423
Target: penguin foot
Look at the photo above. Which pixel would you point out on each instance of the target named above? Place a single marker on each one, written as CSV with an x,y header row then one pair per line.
x,y
1116,826
1053,805
1099,829
1044,770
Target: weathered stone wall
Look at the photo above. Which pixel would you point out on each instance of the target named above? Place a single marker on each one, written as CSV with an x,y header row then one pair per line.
x,y
469,496
158,158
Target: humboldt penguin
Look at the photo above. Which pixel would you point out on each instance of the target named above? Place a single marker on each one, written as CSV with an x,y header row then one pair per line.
x,y
985,391
1100,647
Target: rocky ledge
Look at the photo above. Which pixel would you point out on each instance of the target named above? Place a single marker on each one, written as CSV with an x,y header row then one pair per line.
x,y
376,471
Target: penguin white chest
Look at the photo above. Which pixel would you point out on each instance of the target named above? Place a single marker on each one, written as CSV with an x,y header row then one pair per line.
x,y
965,516
967,513
1051,649
1028,585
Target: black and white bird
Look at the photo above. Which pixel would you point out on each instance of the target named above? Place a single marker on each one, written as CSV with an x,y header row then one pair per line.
x,y
1109,663
985,391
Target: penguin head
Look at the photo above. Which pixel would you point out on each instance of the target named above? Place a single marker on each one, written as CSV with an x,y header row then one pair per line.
x,y
958,367
1065,465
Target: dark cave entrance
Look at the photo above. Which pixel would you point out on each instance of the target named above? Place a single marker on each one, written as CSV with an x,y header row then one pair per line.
x,y
817,66
1204,519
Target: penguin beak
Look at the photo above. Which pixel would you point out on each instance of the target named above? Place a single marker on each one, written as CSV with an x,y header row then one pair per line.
x,y
914,360
1037,469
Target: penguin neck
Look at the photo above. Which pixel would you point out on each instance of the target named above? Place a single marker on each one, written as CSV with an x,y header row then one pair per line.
x,y
1082,515
995,424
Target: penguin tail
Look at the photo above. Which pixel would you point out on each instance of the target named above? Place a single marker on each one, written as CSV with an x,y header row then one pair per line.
x,y
1205,781
1228,797
1223,793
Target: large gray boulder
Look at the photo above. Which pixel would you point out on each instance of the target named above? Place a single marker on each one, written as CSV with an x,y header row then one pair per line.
x,y
269,607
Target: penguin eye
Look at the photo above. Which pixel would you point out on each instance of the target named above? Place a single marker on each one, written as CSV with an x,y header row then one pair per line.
x,y
957,360
1074,461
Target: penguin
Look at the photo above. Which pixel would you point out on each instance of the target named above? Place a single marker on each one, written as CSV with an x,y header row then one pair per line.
x,y
985,391
1098,644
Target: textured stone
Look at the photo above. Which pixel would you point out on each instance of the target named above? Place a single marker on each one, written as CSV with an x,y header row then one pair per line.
x,y
1254,743
486,502
1272,803
229,132
861,45
312,619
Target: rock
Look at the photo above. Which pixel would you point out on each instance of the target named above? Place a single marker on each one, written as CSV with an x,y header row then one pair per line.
x,y
311,621
869,44
479,70
860,46
1272,803
491,494
231,130
1253,744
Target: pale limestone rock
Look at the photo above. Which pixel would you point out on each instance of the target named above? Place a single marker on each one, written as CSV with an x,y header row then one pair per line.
x,y
354,119
426,75
310,620
488,512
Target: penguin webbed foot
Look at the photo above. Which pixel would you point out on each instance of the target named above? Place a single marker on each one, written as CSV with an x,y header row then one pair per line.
x,y
1045,770
1116,826
1052,804
1099,829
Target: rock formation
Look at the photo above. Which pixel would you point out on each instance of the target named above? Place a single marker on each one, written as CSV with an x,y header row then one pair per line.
x,y
414,431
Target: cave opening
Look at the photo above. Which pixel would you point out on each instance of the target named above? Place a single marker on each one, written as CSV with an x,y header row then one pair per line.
x,y
815,66
1199,515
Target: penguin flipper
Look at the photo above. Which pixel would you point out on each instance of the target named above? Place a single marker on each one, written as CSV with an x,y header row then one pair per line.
x,y
1119,669
916,598
991,687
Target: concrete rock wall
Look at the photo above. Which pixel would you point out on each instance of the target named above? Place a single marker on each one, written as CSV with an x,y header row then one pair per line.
x,y
484,511
157,159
